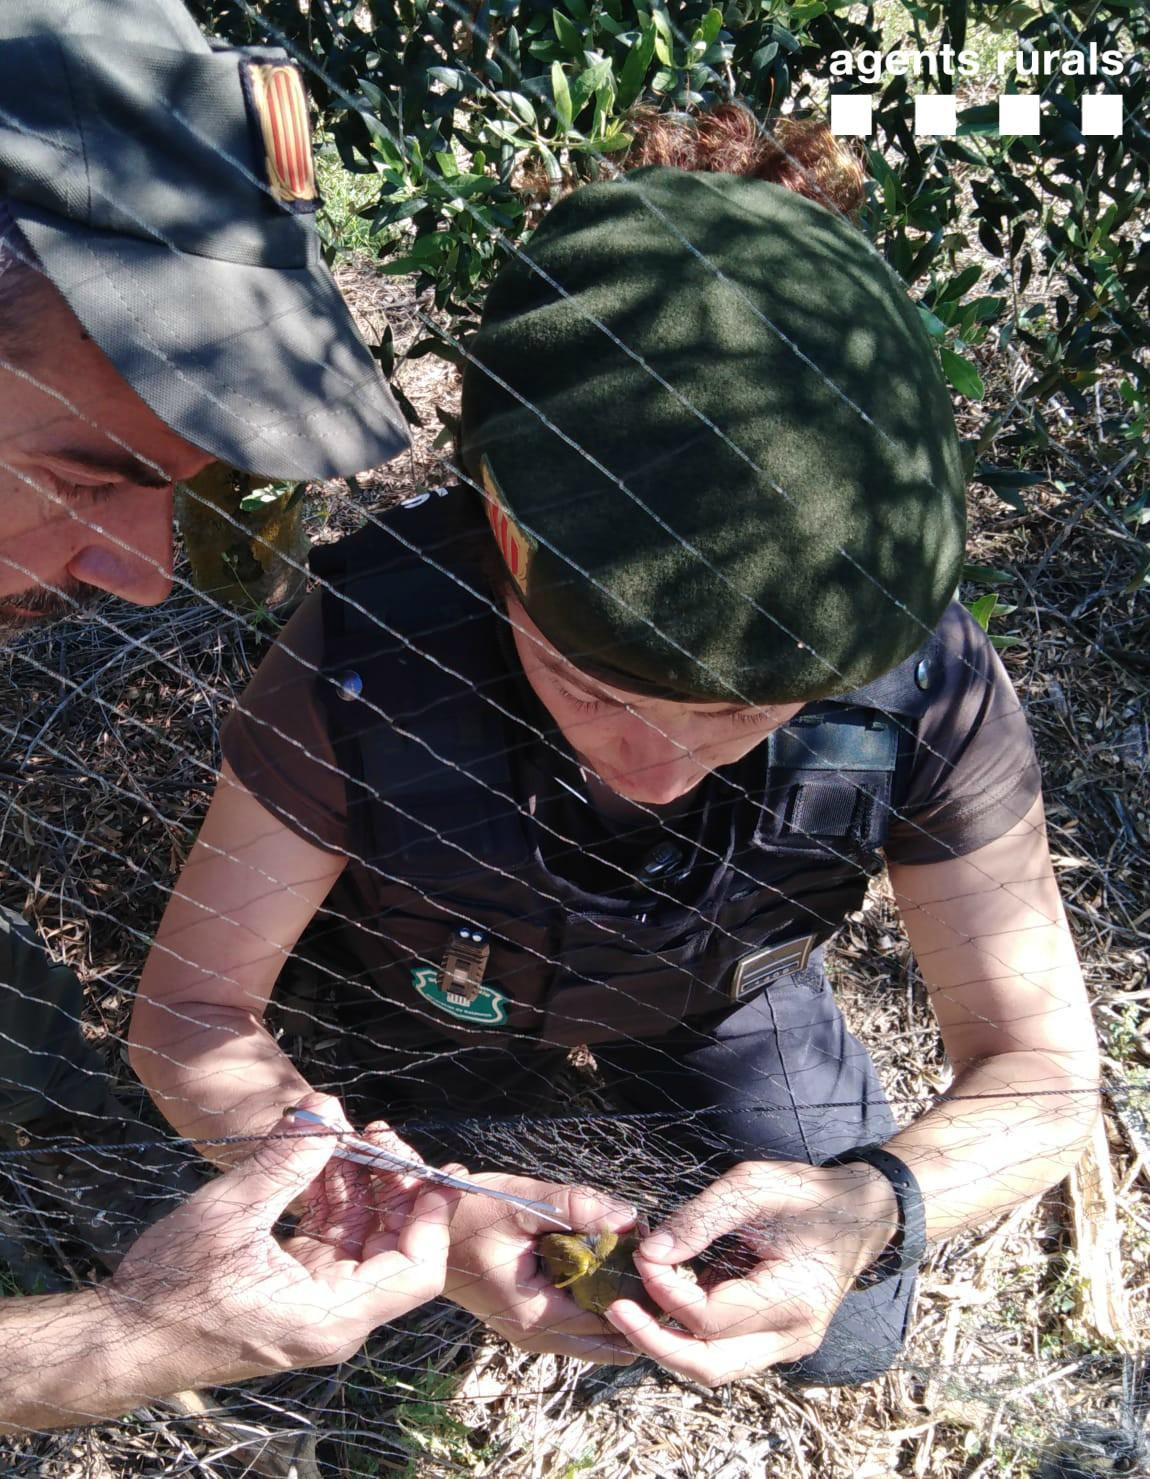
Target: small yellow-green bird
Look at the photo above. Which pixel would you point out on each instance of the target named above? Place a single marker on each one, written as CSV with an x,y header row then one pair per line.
x,y
597,1268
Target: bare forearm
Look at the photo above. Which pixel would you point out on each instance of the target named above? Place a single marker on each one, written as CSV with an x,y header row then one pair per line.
x,y
213,1072
246,894
72,1358
1010,1127
989,933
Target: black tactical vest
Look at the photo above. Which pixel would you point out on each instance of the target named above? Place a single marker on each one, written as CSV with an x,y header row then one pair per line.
x,y
428,722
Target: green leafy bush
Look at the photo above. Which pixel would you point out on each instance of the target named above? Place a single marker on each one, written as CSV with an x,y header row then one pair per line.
x,y
467,116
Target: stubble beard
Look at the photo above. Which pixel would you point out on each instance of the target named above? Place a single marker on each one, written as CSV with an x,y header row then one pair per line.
x,y
25,611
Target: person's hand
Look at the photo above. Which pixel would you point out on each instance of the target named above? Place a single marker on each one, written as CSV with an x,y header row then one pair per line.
x,y
212,1276
493,1269
345,1201
805,1234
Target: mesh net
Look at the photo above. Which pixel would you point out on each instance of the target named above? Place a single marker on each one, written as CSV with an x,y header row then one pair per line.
x,y
1016,1350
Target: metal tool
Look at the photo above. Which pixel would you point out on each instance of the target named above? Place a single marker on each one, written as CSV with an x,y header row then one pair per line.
x,y
364,1153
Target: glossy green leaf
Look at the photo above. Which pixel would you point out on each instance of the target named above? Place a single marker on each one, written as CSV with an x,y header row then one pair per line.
x,y
561,93
519,106
933,325
987,575
569,36
635,68
962,375
712,25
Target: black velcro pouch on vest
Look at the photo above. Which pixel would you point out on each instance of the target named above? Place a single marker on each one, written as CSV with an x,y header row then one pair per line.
x,y
830,777
833,771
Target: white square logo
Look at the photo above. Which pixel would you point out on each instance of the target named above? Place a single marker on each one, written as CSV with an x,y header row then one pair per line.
x,y
1019,113
851,114
1102,113
934,116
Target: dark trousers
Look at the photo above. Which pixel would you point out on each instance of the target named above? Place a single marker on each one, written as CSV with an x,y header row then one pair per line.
x,y
45,1064
780,1078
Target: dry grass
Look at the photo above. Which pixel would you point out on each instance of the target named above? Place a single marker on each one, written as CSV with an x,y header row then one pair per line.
x,y
111,749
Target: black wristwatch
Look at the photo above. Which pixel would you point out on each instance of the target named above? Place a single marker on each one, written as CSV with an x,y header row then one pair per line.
x,y
908,1245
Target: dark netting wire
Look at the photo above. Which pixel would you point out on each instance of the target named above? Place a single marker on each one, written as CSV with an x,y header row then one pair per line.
x,y
632,1157
570,1133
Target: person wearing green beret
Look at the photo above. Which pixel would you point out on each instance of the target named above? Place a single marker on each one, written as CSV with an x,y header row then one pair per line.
x,y
598,749
163,305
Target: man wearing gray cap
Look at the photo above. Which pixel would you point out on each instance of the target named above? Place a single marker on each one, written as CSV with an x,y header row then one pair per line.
x,y
163,304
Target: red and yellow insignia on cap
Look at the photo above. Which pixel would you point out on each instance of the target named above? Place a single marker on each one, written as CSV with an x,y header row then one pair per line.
x,y
515,546
276,93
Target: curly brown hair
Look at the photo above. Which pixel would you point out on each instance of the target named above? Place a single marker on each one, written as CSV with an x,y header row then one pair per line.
x,y
800,154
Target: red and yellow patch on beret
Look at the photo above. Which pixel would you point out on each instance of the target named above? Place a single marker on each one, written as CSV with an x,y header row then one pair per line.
x,y
515,546
277,97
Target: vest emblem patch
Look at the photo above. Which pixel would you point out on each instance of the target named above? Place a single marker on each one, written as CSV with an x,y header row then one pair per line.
x,y
515,546
762,967
489,1009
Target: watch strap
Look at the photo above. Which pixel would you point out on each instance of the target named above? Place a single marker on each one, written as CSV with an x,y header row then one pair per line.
x,y
907,1247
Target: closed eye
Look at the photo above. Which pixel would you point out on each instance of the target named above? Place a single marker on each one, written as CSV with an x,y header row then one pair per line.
x,y
97,492
740,715
587,705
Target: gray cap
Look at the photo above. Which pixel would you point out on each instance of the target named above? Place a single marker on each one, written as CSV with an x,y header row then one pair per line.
x,y
168,191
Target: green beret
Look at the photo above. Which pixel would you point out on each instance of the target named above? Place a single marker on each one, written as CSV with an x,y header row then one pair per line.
x,y
717,451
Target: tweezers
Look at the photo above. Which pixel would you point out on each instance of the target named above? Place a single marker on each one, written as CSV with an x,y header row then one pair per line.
x,y
364,1153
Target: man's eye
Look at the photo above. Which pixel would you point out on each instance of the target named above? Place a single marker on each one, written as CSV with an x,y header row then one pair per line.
x,y
97,492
